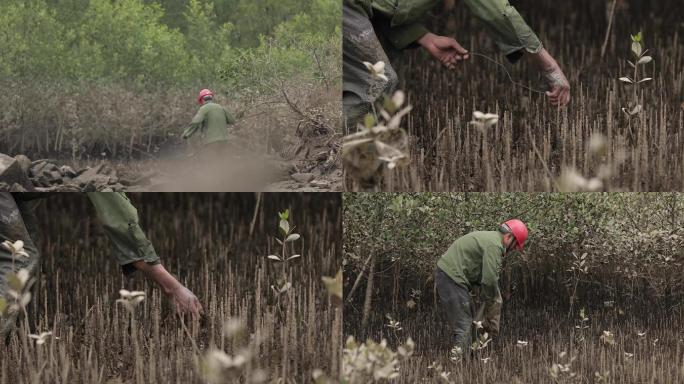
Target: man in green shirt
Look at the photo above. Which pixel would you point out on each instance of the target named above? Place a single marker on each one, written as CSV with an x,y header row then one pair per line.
x,y
376,30
474,260
132,250
211,121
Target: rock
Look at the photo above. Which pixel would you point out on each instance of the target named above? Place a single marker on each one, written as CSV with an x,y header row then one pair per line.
x,y
323,184
37,168
92,182
11,173
303,177
24,162
17,188
68,171
56,176
144,179
322,156
92,176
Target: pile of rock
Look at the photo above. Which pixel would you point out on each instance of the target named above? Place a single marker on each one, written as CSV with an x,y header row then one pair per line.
x,y
20,174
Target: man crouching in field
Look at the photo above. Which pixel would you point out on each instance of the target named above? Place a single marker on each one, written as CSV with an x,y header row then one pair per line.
x,y
211,121
475,260
379,30
132,250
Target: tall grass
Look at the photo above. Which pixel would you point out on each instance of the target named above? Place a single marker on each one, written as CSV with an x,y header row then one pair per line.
x,y
448,155
209,242
655,357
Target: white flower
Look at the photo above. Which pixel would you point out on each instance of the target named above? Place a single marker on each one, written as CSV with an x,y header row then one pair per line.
x,y
456,353
477,115
597,143
398,99
224,360
594,184
16,248
573,181
377,70
483,121
23,276
136,296
40,339
233,327
286,287
131,299
607,338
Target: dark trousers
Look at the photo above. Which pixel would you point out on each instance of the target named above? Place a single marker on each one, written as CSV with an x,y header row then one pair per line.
x,y
458,307
360,43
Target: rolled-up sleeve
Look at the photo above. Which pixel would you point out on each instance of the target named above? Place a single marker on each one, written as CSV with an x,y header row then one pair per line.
x,y
505,25
402,36
119,219
491,264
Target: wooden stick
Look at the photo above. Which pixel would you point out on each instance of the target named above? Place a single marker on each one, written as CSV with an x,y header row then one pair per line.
x,y
610,25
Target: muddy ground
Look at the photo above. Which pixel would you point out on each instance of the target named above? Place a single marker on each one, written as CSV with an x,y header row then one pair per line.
x,y
307,161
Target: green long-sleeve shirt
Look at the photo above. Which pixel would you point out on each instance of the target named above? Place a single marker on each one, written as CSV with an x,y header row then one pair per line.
x,y
475,259
211,121
401,22
120,221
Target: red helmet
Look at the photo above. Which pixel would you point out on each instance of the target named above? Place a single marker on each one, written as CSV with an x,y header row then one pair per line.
x,y
203,93
519,231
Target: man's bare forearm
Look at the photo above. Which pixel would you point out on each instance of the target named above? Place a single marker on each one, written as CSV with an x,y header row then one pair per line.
x,y
543,60
160,275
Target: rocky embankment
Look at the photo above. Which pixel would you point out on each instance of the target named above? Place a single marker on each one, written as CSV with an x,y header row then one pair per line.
x,y
20,174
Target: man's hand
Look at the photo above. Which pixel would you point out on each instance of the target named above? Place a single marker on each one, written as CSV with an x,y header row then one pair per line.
x,y
559,95
445,49
185,301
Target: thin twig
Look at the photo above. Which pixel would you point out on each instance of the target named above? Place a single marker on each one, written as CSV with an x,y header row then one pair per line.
x,y
546,167
507,73
358,279
256,213
610,25
194,345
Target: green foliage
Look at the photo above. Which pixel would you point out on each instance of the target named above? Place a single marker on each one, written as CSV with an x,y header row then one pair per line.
x,y
86,77
207,41
630,240
32,41
307,46
127,40
165,41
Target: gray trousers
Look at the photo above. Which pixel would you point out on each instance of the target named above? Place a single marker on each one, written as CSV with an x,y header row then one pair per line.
x,y
458,307
360,43
17,222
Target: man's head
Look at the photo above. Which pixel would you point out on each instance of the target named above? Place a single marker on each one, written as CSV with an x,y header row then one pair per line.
x,y
514,234
204,96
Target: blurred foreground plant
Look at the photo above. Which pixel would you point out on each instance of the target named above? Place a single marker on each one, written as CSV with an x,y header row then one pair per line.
x,y
561,371
571,180
380,140
372,362
217,366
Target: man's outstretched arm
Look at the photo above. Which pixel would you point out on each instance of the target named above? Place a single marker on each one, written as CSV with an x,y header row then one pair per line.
x,y
195,124
183,299
133,251
516,39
